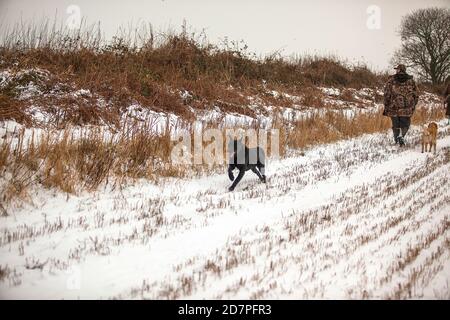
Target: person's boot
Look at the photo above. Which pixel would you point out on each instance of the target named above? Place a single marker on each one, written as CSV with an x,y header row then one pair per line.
x,y
401,137
396,132
404,131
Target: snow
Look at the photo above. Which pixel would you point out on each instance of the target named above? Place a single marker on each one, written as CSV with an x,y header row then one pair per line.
x,y
339,222
331,91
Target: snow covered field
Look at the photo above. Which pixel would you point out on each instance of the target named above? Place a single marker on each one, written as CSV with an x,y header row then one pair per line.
x,y
356,219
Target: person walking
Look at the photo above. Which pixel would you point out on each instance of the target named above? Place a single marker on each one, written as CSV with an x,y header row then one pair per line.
x,y
400,100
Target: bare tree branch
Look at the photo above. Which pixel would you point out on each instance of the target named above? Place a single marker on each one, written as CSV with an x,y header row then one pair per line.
x,y
425,35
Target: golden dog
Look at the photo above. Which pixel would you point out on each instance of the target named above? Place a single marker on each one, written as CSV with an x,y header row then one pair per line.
x,y
429,136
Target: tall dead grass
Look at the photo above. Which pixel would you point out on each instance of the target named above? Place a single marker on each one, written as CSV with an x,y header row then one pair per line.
x,y
152,68
84,161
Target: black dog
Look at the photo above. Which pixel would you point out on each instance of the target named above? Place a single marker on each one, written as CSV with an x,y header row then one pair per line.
x,y
244,159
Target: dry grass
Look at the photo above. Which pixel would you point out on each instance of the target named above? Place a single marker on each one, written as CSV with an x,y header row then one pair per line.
x,y
151,69
73,161
332,126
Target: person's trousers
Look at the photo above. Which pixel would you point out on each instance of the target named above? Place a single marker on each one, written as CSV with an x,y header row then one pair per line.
x,y
400,125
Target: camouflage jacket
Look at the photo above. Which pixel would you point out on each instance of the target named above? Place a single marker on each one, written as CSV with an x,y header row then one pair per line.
x,y
400,96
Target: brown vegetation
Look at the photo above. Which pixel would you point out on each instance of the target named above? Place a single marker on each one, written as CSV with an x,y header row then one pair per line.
x,y
154,68
70,162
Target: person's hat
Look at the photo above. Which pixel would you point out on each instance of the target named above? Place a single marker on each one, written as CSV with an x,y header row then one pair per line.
x,y
400,67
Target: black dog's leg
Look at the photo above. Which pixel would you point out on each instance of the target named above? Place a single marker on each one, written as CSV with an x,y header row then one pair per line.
x,y
230,173
258,174
262,169
238,178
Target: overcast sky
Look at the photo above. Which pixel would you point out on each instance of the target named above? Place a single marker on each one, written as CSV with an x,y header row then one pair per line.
x,y
351,29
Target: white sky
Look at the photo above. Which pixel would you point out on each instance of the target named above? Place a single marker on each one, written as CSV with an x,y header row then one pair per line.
x,y
295,27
